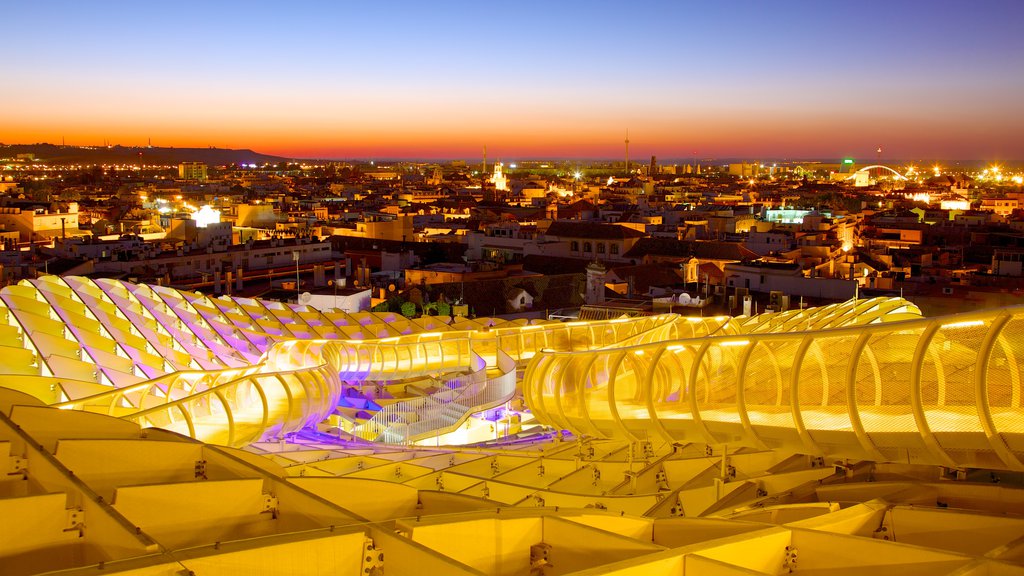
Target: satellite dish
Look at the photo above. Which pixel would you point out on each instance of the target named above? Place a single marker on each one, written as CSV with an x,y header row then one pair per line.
x,y
305,297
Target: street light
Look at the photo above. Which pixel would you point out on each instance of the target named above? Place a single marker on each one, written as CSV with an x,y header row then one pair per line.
x,y
295,256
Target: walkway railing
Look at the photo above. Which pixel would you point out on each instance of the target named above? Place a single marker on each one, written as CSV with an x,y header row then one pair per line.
x,y
297,383
445,411
944,390
622,377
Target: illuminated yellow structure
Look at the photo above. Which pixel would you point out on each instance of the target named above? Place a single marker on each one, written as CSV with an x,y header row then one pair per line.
x,y
297,383
148,431
943,391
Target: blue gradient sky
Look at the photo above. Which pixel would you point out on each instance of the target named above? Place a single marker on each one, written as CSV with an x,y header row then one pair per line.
x,y
925,80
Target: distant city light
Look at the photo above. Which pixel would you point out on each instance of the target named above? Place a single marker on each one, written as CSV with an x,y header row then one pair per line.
x,y
920,197
577,175
955,205
205,216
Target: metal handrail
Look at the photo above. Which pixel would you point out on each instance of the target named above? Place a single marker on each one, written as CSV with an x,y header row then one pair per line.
x,y
943,390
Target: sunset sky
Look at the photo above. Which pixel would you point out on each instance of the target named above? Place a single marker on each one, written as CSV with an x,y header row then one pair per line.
x,y
935,79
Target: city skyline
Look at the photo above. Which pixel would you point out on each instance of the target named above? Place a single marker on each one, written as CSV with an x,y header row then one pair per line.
x,y
567,81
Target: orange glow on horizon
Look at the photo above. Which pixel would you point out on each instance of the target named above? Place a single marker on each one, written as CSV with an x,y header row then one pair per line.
x,y
542,134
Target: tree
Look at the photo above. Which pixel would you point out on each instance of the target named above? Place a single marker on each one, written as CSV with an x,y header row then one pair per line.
x,y
408,309
394,303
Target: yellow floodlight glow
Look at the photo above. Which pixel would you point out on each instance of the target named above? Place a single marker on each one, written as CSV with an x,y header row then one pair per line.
x,y
964,324
205,216
736,343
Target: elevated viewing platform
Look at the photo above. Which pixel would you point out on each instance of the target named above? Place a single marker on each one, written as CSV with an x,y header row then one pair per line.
x,y
633,443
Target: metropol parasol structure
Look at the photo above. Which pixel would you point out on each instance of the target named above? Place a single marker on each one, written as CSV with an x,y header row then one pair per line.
x,y
145,430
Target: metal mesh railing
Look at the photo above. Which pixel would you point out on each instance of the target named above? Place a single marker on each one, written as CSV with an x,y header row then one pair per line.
x,y
942,390
297,383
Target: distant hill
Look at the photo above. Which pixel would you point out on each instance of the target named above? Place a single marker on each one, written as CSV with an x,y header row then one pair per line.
x,y
55,154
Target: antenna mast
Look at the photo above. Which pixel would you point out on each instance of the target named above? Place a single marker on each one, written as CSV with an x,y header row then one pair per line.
x,y
627,151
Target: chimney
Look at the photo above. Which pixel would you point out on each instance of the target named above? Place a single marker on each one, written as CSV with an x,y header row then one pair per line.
x,y
595,283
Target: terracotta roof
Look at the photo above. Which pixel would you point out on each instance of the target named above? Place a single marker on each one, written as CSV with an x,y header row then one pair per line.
x,y
579,205
711,270
592,230
554,264
646,275
703,250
